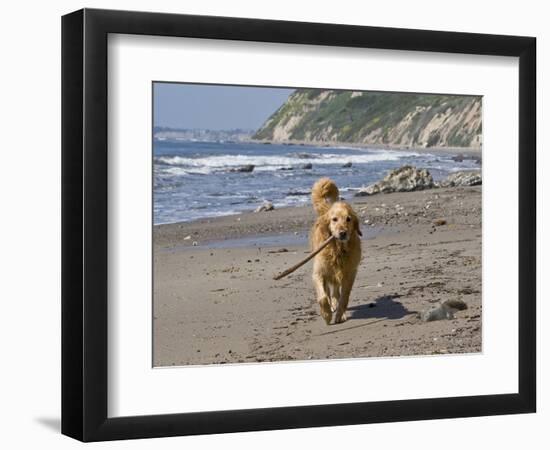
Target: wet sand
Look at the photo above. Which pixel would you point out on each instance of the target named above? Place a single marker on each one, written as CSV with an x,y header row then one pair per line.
x,y
215,301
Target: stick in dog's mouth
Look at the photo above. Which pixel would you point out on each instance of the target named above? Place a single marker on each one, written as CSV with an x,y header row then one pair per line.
x,y
305,260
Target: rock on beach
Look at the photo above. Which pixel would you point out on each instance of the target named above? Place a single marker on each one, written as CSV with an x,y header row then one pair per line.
x,y
403,179
472,178
267,206
409,178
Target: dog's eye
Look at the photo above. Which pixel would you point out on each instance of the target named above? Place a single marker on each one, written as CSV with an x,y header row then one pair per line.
x,y
335,219
348,219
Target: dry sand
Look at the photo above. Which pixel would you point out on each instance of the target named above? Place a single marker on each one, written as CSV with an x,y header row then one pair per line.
x,y
216,302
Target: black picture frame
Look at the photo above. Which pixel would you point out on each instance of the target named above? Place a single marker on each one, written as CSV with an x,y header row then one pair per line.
x,y
84,224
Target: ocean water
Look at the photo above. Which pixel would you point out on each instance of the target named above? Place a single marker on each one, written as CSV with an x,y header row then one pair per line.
x,y
194,180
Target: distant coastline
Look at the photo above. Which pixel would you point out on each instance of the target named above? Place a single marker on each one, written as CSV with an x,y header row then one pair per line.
x,y
244,137
471,151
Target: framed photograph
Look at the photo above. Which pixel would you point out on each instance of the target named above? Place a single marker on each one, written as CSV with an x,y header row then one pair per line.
x,y
273,225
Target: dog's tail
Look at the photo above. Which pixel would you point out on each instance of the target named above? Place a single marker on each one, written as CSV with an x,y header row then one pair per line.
x,y
323,194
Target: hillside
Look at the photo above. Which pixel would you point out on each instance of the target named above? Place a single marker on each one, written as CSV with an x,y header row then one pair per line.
x,y
376,118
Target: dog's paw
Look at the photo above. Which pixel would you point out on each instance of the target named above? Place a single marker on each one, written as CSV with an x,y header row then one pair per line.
x,y
333,304
340,318
325,309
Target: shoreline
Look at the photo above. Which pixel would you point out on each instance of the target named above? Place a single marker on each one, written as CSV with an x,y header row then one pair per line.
x,y
287,222
246,224
280,193
221,218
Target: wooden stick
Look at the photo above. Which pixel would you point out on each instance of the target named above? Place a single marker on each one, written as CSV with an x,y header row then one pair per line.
x,y
303,261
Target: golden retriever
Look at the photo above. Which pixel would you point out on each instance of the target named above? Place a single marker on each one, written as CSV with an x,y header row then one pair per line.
x,y
335,267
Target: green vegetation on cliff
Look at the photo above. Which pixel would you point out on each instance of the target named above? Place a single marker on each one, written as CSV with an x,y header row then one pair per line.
x,y
416,120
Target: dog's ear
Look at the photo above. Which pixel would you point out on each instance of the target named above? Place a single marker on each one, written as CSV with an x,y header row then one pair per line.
x,y
323,228
355,221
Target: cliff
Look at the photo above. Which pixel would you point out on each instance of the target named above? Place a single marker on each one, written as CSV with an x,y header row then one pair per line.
x,y
376,118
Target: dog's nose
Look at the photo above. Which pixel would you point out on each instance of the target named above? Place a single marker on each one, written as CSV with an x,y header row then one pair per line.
x,y
342,235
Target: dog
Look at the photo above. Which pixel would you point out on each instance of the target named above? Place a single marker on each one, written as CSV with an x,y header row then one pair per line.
x,y
335,267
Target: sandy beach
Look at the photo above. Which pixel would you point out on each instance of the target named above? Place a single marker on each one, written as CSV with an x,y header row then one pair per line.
x,y
215,300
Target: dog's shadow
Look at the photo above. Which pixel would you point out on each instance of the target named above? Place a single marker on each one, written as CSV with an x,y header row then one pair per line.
x,y
384,307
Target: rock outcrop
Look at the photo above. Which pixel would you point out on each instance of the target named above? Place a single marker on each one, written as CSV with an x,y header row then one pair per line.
x,y
409,178
472,178
320,116
404,179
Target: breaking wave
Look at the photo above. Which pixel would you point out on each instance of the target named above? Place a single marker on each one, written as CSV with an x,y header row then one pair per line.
x,y
181,165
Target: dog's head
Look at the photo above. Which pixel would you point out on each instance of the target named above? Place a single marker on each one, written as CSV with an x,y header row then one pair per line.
x,y
342,221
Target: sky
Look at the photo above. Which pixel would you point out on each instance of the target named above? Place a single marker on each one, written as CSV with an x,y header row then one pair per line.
x,y
214,107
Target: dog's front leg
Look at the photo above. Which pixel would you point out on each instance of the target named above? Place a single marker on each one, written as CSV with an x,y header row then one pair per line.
x,y
322,297
347,284
335,293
